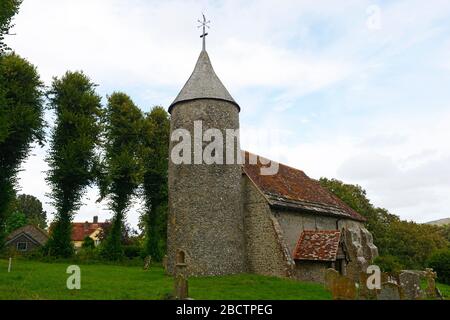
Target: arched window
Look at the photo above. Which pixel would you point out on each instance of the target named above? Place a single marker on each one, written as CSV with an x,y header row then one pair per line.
x,y
181,257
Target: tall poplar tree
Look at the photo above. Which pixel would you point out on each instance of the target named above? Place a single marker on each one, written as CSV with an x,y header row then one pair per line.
x,y
122,165
72,155
155,139
21,123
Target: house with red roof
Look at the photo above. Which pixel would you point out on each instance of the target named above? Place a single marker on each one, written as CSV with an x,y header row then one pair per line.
x,y
93,230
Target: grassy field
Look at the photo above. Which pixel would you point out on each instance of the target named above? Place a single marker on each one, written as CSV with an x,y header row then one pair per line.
x,y
38,280
445,290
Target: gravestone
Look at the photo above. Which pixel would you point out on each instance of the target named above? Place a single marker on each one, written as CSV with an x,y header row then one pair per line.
x,y
389,291
330,277
342,288
410,285
181,288
364,293
431,283
147,262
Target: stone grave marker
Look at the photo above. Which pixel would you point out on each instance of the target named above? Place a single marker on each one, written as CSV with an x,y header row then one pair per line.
x,y
389,291
181,279
147,262
431,291
342,288
410,285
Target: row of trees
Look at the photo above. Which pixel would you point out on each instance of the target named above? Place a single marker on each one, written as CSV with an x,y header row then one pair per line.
x,y
118,148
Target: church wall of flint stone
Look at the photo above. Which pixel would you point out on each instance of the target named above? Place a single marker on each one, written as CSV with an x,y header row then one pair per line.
x,y
227,218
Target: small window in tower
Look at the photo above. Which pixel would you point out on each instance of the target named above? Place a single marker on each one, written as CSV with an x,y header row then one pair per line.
x,y
181,257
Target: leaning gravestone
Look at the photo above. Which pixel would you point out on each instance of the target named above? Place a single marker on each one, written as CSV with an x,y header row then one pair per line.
x,y
330,278
389,291
410,285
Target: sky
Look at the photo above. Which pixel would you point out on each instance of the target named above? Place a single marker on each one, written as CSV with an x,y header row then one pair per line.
x,y
354,90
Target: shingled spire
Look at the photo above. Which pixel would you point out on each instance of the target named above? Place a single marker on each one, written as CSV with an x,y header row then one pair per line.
x,y
203,83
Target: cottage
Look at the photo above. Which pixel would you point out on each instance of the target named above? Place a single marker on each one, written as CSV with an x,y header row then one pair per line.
x,y
93,230
26,239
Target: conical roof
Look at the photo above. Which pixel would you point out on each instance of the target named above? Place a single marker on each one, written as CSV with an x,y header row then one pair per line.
x,y
203,84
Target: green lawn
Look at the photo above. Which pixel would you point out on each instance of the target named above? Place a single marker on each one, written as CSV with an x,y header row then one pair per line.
x,y
445,290
39,280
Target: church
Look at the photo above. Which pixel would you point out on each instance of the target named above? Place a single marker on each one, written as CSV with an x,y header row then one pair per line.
x,y
232,218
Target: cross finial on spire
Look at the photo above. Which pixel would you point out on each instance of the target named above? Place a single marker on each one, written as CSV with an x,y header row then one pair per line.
x,y
204,24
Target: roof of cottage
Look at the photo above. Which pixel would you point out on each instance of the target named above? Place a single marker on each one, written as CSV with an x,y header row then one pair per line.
x,y
36,233
81,230
292,189
317,245
203,84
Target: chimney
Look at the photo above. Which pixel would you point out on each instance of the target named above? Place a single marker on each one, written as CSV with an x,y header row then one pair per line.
x,y
95,219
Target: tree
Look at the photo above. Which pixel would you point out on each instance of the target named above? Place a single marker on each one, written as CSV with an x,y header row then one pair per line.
x,y
21,122
32,208
8,9
15,221
122,165
408,244
440,262
88,243
155,138
72,155
446,231
128,235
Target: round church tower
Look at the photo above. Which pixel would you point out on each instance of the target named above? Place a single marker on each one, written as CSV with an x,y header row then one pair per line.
x,y
205,223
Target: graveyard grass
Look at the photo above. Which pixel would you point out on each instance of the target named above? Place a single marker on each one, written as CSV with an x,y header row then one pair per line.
x,y
38,280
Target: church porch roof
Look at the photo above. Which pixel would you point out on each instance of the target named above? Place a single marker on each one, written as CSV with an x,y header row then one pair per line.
x,y
317,245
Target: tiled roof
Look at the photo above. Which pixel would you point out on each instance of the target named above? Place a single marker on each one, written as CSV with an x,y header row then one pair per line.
x,y
293,189
81,230
34,232
317,245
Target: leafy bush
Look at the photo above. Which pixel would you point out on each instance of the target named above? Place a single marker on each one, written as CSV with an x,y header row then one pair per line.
x,y
87,254
132,251
88,242
440,262
388,263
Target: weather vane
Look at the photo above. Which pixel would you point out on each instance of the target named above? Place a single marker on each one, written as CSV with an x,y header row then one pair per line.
x,y
204,24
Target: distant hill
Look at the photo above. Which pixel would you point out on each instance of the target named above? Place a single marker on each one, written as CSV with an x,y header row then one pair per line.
x,y
440,222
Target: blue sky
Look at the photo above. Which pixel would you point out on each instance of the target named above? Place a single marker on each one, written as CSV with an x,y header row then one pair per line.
x,y
358,91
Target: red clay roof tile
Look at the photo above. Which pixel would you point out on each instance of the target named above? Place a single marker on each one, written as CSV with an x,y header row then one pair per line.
x,y
292,188
81,230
